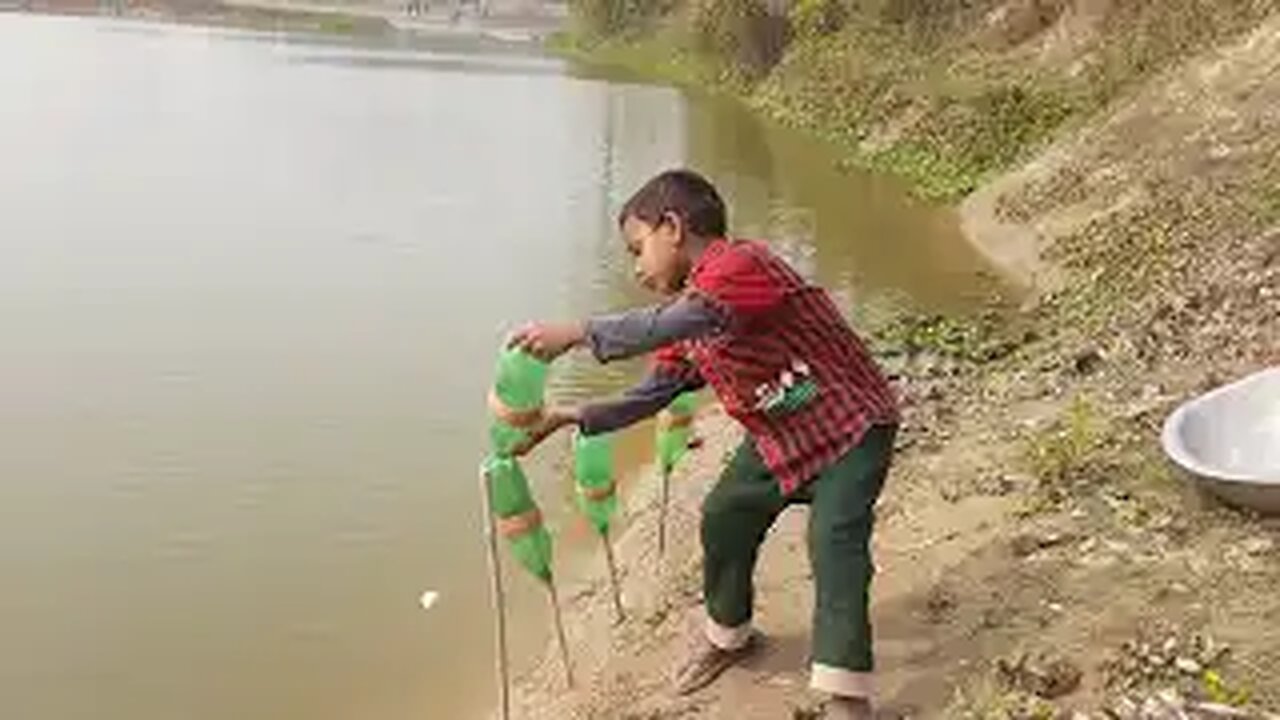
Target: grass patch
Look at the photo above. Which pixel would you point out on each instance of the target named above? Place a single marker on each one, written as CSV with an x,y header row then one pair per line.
x,y
935,91
1062,453
1266,195
1217,690
987,699
981,338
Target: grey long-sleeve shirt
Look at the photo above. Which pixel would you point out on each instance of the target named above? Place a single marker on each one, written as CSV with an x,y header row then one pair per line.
x,y
627,334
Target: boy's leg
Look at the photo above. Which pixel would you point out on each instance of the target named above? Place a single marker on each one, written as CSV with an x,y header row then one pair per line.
x,y
840,522
736,516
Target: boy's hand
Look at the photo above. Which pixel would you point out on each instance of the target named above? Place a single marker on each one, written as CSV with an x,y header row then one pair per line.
x,y
552,420
548,341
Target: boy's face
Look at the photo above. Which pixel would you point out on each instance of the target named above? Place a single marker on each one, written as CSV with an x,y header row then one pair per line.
x,y
660,262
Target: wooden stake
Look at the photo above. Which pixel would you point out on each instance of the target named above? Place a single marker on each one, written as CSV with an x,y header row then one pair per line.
x,y
619,613
662,513
564,645
499,601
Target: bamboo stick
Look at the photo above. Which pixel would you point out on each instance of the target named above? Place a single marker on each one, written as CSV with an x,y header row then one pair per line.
x,y
499,601
564,645
619,612
662,513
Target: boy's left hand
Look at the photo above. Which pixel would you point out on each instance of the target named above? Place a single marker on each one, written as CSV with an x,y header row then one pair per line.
x,y
552,420
548,341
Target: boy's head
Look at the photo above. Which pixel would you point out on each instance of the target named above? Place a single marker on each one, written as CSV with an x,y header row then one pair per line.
x,y
666,223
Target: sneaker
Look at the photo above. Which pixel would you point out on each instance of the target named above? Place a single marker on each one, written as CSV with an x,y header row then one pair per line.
x,y
707,662
849,708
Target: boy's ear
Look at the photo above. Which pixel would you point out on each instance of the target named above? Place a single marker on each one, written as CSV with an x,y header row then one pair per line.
x,y
676,223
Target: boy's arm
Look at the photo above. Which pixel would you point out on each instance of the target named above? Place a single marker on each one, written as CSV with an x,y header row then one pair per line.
x,y
625,334
635,332
653,393
671,375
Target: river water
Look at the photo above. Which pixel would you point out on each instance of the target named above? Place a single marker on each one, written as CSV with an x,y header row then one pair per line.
x,y
250,291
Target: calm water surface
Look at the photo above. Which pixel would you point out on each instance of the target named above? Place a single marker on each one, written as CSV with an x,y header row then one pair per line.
x,y
250,290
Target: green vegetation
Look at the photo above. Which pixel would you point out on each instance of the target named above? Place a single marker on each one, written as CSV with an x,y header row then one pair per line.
x,y
1217,690
1066,449
979,338
942,92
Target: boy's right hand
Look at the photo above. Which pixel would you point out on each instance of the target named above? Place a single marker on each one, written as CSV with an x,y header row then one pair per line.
x,y
552,420
548,341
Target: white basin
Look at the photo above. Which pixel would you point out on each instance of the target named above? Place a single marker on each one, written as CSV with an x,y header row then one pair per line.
x,y
1230,439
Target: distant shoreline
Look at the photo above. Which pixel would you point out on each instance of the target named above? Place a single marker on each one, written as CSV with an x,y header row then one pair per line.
x,y
362,21
217,14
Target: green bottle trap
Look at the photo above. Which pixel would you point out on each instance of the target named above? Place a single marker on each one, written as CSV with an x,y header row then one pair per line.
x,y
516,405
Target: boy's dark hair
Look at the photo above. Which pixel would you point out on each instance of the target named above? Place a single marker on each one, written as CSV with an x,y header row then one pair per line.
x,y
683,192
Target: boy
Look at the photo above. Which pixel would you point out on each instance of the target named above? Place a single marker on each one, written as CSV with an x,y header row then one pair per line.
x,y
819,415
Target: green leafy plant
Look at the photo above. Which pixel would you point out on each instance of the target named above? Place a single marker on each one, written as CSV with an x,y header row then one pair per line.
x,y
1062,451
1217,690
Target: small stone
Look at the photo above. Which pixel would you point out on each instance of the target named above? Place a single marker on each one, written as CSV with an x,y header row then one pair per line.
x,y
1188,666
1125,709
1043,676
1212,652
1027,544
940,604
1024,545
780,681
998,485
1258,546
1217,710
807,713
1117,547
656,618
1086,362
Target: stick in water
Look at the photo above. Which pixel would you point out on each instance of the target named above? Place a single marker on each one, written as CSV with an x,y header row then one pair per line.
x,y
499,601
564,645
619,613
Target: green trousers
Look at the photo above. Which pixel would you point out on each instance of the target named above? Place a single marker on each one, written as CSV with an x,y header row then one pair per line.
x,y
738,513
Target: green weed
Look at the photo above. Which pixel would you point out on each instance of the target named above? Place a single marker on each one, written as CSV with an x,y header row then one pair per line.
x,y
1065,449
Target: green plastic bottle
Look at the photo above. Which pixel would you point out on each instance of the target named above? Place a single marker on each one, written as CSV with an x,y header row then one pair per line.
x,y
511,501
503,438
593,474
519,389
521,380
675,428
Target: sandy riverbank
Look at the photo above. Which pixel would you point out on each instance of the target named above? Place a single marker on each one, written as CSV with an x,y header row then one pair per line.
x,y
1038,556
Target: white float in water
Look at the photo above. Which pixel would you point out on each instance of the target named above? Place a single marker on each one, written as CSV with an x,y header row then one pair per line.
x,y
428,599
